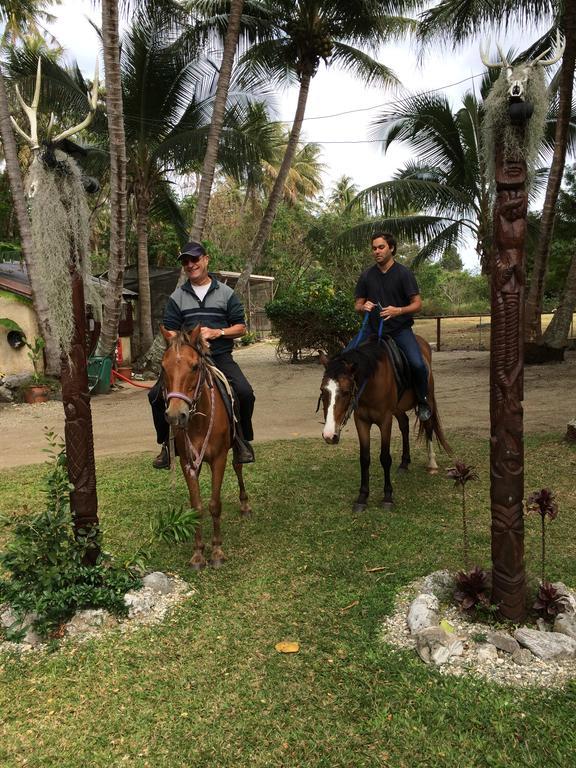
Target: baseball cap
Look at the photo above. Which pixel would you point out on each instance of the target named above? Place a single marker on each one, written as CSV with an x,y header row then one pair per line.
x,y
192,249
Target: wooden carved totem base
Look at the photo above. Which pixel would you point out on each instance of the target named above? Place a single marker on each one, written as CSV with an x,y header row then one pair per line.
x,y
506,390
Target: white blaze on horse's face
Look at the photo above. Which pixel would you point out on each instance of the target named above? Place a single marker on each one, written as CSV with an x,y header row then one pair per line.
x,y
336,395
331,432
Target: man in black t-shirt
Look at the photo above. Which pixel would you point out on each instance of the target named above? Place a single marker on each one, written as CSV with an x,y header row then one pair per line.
x,y
390,293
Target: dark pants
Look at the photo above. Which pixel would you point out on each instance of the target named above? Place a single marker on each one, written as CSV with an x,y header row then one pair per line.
x,y
239,383
409,345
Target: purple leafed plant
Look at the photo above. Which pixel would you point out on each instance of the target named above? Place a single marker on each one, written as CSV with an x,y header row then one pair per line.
x,y
543,503
461,473
473,589
549,602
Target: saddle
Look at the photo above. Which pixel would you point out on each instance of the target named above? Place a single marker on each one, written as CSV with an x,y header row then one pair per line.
x,y
399,363
227,397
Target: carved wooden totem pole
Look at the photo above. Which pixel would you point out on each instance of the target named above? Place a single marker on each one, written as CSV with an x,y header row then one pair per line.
x,y
515,112
59,218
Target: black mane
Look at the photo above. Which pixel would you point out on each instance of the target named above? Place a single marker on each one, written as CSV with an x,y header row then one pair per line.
x,y
364,360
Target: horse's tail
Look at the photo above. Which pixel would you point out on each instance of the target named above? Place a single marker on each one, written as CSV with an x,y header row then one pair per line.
x,y
434,426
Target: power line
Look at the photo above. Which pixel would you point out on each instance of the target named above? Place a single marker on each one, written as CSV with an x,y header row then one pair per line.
x,y
340,114
388,103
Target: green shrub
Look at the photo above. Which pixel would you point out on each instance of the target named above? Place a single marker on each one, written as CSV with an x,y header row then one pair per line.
x,y
313,316
43,563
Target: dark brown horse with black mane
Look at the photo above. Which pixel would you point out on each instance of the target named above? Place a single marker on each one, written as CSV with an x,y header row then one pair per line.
x,y
362,381
199,418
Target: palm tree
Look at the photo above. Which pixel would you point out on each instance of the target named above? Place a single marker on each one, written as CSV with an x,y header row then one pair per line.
x,y
442,197
217,121
117,149
556,334
168,91
299,36
342,193
457,21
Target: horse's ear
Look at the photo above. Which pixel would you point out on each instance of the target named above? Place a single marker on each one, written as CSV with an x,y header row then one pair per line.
x,y
168,335
192,336
322,358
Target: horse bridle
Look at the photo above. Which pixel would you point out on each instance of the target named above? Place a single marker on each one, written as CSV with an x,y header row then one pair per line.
x,y
355,396
194,458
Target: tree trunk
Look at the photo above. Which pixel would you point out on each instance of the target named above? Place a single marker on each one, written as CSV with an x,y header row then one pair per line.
x,y
19,200
209,165
277,190
532,321
556,335
144,301
115,111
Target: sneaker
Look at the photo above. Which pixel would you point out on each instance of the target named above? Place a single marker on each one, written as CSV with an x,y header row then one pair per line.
x,y
242,452
424,412
162,461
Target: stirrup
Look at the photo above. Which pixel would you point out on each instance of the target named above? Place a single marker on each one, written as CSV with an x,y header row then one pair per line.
x,y
162,461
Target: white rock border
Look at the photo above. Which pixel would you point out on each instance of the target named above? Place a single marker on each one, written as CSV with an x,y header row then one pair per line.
x,y
146,606
462,654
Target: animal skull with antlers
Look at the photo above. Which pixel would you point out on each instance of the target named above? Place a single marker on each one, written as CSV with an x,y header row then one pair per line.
x,y
517,76
32,112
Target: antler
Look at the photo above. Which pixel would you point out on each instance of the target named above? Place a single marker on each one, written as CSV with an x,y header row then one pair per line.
x,y
493,65
92,103
31,111
559,48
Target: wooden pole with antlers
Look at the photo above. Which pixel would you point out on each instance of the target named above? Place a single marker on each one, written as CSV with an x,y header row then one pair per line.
x,y
508,112
78,433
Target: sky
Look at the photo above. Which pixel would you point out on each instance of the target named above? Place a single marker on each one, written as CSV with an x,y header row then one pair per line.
x,y
340,109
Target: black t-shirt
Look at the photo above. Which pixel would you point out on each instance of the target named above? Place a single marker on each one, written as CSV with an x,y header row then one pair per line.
x,y
391,288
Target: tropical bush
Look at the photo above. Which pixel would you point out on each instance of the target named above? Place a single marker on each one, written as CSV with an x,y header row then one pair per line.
x,y
313,316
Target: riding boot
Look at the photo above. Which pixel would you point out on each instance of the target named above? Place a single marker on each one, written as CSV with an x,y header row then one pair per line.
x,y
423,410
242,451
162,461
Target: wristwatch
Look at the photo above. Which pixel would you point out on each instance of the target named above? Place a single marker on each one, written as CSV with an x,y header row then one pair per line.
x,y
221,331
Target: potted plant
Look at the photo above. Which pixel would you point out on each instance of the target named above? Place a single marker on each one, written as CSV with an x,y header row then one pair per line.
x,y
37,391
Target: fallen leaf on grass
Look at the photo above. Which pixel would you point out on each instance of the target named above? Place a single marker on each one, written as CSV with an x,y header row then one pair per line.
x,y
352,605
379,569
287,647
446,626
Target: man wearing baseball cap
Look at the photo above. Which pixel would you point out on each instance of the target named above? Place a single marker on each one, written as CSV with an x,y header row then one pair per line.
x,y
205,301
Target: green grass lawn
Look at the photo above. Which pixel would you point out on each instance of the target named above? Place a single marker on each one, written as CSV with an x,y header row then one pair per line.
x,y
207,688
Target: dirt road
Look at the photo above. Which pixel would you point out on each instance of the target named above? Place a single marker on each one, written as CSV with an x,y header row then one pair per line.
x,y
286,397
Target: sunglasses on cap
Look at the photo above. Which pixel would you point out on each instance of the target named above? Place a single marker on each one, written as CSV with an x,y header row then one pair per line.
x,y
185,258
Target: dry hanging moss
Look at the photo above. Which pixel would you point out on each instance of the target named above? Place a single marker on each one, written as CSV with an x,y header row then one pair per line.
x,y
60,231
518,142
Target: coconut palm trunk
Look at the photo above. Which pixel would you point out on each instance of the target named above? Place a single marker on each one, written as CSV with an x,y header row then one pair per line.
x,y
20,208
144,300
115,112
556,335
533,311
211,156
277,190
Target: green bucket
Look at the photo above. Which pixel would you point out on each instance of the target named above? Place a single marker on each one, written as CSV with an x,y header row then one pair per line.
x,y
99,374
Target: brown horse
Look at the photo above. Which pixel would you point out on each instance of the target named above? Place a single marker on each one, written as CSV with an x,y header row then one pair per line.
x,y
362,380
202,432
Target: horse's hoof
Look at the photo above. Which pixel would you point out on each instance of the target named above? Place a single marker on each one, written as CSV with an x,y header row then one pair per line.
x,y
403,468
387,504
359,507
197,565
432,470
244,513
217,562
